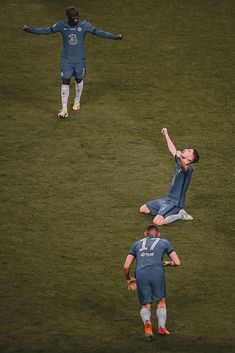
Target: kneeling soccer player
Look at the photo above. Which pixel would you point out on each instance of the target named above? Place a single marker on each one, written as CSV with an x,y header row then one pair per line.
x,y
170,208
150,281
73,60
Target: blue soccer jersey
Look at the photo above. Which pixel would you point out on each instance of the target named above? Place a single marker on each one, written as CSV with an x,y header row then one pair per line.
x,y
73,37
180,183
149,252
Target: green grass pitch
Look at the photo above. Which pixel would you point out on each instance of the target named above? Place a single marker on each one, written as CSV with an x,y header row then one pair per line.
x,y
70,190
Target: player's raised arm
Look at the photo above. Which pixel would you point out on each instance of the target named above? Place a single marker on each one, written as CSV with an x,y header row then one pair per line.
x,y
101,33
170,145
46,30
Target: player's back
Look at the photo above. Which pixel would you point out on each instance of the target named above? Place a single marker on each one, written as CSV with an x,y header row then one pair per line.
x,y
149,252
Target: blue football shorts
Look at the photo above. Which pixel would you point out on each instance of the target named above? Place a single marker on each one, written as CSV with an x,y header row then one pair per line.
x,y
69,69
164,207
151,285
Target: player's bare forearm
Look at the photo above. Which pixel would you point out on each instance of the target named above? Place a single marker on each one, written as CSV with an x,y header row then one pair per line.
x,y
127,265
170,145
175,260
127,273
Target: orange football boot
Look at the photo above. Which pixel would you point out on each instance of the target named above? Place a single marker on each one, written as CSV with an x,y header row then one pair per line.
x,y
148,331
162,331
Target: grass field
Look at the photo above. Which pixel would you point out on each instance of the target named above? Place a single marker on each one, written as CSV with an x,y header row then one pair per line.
x,y
70,190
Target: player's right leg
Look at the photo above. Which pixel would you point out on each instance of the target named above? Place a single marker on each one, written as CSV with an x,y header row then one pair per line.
x,y
161,316
66,74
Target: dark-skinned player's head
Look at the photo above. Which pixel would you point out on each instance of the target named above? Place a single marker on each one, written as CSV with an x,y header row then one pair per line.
x,y
152,230
73,15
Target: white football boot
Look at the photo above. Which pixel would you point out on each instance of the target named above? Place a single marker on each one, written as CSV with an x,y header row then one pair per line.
x,y
63,114
76,105
185,216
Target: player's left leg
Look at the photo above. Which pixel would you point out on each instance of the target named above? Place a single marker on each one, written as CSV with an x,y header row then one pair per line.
x,y
66,74
161,316
181,215
144,209
80,72
152,207
167,208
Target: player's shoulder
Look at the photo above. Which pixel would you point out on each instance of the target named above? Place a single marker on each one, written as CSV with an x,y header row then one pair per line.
x,y
83,23
138,242
60,24
164,241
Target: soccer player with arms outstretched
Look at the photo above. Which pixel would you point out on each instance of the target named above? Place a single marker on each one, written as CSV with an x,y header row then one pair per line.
x,y
73,61
170,208
150,281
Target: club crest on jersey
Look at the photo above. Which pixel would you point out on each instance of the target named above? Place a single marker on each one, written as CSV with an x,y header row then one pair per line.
x,y
73,39
79,29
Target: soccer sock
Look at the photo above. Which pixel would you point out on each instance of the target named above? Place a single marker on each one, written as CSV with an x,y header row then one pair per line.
x,y
64,96
161,315
145,315
173,218
78,90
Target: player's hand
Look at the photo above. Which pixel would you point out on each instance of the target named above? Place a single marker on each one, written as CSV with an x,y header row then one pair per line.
x,y
25,28
166,263
119,36
131,284
164,131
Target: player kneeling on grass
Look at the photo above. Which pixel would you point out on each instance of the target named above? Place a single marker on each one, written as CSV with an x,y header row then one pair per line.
x,y
170,208
150,281
73,61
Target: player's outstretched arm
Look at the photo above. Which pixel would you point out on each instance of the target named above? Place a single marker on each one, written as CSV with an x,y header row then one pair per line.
x,y
104,34
170,145
47,30
101,33
131,282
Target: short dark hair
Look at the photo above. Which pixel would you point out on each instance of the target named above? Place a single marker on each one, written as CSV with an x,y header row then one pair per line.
x,y
71,9
151,226
196,156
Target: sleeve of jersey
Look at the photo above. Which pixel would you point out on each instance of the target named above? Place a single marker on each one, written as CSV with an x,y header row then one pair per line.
x,y
169,248
46,30
133,250
99,32
177,159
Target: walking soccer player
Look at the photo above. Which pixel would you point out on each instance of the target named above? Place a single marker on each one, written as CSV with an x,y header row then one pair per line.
x,y
150,281
73,61
170,208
